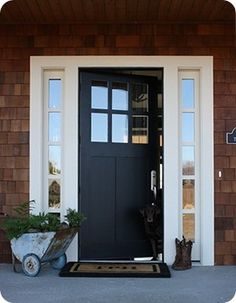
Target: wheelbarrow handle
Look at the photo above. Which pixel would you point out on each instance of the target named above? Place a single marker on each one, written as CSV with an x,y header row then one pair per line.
x,y
14,261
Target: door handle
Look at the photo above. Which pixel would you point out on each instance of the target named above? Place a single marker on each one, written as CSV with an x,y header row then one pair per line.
x,y
154,183
153,179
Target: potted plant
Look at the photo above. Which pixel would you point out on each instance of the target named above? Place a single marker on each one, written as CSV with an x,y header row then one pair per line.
x,y
41,238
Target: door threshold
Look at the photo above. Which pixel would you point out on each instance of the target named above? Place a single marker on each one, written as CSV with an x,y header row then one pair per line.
x,y
135,260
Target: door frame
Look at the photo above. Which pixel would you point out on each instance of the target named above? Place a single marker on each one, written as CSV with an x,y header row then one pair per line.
x,y
171,65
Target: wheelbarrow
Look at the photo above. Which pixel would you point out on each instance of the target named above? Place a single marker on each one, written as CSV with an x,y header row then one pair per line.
x,y
34,249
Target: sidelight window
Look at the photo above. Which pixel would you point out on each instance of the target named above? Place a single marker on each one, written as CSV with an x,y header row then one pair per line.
x,y
189,161
53,105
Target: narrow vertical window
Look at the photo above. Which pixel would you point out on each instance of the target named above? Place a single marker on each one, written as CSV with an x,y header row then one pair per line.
x,y
189,160
53,142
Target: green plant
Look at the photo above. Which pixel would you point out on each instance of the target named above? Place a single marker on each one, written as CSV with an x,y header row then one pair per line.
x,y
14,227
25,222
23,209
74,218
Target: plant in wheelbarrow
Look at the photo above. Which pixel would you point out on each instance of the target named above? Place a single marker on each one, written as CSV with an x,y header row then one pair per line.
x,y
39,239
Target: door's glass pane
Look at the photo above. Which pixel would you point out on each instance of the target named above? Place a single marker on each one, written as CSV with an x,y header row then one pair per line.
x,y
54,127
54,193
188,160
188,129
159,122
140,129
159,100
55,93
160,141
161,176
139,97
119,96
189,226
120,128
99,95
54,160
188,90
188,194
99,127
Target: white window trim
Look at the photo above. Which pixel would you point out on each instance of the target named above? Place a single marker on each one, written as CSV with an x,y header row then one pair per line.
x,y
171,66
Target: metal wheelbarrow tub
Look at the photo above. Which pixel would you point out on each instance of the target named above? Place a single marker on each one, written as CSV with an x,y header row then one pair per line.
x,y
33,249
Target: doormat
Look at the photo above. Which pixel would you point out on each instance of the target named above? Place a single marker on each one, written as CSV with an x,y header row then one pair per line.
x,y
116,269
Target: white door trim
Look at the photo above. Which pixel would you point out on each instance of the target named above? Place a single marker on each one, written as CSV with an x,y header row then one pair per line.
x,y
171,66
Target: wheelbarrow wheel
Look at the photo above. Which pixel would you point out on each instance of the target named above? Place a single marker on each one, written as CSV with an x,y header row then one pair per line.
x,y
59,263
31,265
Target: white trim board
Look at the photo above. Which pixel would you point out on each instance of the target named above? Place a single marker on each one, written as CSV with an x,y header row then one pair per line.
x,y
171,65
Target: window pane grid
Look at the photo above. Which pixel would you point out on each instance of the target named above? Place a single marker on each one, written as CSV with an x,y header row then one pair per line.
x,y
119,112
188,140
53,142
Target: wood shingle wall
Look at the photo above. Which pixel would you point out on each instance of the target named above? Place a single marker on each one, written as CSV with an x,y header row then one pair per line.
x,y
19,42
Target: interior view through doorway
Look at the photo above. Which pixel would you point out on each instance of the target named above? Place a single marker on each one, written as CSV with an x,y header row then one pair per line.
x,y
121,151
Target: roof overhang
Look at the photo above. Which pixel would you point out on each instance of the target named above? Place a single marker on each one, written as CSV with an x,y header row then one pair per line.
x,y
116,11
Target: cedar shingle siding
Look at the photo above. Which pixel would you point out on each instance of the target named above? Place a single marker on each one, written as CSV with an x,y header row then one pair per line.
x,y
19,42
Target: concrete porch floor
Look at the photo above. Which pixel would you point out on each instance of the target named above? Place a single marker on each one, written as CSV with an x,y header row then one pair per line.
x,y
198,285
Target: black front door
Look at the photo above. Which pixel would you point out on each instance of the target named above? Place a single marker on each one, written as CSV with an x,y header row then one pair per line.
x,y
118,149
